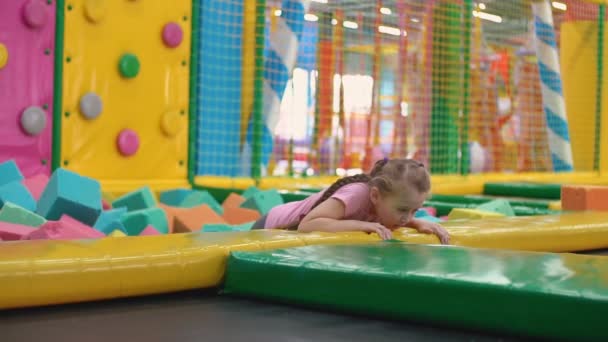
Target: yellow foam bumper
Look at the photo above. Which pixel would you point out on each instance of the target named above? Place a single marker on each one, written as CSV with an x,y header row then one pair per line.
x,y
34,273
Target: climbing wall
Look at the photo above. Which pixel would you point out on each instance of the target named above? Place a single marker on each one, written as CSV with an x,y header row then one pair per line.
x,y
125,92
27,43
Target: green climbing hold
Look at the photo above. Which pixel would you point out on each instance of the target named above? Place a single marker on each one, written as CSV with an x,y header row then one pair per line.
x,y
128,65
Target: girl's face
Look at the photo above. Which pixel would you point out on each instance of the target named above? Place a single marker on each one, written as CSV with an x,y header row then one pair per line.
x,y
394,211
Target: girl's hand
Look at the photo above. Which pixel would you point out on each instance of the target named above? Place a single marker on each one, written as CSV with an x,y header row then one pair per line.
x,y
373,227
427,227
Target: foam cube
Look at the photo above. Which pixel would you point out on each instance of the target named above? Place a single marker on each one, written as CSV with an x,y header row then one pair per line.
x,y
217,228
263,201
13,232
105,205
13,213
136,221
67,228
110,220
36,184
9,172
429,210
174,197
236,215
233,201
500,206
117,233
584,197
197,198
170,213
250,191
469,214
18,194
136,200
68,193
149,231
430,218
193,219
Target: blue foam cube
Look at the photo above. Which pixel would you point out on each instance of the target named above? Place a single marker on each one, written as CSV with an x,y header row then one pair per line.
x,y
70,194
108,221
9,172
18,194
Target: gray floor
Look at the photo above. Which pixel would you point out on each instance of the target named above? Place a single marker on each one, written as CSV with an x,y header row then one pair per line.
x,y
196,316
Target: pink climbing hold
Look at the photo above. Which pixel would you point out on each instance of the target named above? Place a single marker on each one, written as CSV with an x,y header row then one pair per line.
x,y
150,230
36,184
172,35
128,142
34,13
13,232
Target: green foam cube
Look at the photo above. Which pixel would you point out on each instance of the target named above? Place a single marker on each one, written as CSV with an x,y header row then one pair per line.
x,y
12,213
500,206
263,201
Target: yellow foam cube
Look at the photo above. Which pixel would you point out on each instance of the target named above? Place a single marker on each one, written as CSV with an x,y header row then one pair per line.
x,y
471,214
117,233
555,205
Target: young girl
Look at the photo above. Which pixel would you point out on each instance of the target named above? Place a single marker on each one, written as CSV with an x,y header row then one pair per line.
x,y
380,202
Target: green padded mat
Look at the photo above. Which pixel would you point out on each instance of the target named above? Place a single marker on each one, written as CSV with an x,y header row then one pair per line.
x,y
481,199
444,208
558,296
527,190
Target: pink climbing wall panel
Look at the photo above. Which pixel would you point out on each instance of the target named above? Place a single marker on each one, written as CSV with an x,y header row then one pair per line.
x,y
27,48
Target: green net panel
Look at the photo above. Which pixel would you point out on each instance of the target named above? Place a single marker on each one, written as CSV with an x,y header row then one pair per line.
x,y
329,87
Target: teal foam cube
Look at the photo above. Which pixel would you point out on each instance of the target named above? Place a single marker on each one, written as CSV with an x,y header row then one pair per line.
x,y
136,221
68,193
136,200
217,228
18,194
12,213
109,220
263,201
196,198
174,197
250,191
9,172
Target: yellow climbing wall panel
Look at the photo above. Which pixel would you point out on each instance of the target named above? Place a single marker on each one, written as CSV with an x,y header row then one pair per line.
x,y
125,93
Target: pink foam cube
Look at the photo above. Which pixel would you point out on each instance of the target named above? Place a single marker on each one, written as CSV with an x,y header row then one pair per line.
x,y
150,230
66,228
445,218
36,184
12,232
105,205
430,210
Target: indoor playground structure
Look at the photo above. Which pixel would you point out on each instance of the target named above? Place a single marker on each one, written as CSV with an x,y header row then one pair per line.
x,y
141,140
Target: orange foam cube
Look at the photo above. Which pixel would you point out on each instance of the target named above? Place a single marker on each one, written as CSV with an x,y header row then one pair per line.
x,y
236,215
193,219
584,197
233,201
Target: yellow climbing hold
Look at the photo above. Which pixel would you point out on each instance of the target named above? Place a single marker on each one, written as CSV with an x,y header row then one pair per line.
x,y
3,55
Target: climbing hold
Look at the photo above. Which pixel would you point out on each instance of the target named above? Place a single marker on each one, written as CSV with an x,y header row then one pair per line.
x,y
34,14
3,55
170,123
128,65
128,142
172,34
91,105
94,10
33,120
